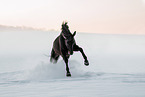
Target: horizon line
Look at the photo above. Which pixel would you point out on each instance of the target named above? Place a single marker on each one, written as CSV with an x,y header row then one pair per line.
x,y
15,28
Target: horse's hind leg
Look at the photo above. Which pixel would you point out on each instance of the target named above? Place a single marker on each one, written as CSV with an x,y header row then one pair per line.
x,y
54,57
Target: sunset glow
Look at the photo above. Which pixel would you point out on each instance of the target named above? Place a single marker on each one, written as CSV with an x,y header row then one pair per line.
x,y
96,16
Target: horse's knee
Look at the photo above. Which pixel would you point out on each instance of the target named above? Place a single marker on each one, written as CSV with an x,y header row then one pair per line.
x,y
80,49
77,48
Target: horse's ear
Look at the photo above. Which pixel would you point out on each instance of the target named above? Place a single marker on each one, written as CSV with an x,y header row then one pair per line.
x,y
66,23
74,33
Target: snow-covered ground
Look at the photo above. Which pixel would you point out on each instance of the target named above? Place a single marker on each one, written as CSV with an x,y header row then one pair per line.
x,y
117,66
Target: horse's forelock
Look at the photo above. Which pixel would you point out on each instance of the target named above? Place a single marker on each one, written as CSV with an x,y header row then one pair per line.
x,y
64,25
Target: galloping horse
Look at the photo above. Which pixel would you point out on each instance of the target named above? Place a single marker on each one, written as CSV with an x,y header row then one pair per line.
x,y
64,45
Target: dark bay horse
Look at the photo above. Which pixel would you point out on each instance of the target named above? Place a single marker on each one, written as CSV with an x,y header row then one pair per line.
x,y
64,45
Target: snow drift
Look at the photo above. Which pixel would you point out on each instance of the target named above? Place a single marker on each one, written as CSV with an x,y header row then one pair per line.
x,y
117,64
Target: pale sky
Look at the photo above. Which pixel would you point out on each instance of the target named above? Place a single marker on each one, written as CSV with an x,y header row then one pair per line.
x,y
95,16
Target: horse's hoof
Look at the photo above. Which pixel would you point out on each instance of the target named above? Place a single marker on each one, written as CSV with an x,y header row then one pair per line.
x,y
68,75
86,63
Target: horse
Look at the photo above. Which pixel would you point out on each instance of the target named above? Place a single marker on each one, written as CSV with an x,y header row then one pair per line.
x,y
64,45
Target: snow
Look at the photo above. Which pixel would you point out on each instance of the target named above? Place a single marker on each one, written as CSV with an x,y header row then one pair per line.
x,y
117,66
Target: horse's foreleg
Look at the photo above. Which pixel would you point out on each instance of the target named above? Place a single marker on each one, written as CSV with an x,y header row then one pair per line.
x,y
67,68
77,48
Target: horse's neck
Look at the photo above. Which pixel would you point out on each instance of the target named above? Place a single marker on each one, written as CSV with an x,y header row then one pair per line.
x,y
61,37
62,42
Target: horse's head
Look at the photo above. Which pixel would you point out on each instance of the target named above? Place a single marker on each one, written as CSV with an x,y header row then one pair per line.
x,y
68,38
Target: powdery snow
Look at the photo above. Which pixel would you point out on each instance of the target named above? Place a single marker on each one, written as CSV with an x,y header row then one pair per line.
x,y
117,66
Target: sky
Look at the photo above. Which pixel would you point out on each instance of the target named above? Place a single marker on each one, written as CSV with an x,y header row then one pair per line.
x,y
94,16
